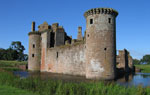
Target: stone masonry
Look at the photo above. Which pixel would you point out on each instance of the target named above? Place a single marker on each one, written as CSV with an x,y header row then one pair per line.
x,y
92,55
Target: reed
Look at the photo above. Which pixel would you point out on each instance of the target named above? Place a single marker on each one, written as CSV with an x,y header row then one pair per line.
x,y
58,87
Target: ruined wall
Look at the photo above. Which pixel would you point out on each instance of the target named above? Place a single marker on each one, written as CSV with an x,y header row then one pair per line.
x,y
79,37
43,27
59,37
130,61
124,60
68,59
121,59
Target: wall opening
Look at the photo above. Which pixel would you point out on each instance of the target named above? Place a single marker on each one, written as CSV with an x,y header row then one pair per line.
x,y
91,21
57,55
32,55
33,45
105,52
88,35
109,20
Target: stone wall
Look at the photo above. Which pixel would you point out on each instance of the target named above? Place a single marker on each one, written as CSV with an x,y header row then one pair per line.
x,y
67,59
34,58
124,60
100,43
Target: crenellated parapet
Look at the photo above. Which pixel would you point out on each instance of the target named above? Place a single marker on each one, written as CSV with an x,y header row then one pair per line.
x,y
100,11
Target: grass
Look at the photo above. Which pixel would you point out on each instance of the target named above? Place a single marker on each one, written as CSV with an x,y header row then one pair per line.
x,y
144,68
57,87
8,90
11,65
17,85
4,63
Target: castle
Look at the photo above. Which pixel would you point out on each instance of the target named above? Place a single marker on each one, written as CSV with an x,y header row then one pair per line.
x,y
92,55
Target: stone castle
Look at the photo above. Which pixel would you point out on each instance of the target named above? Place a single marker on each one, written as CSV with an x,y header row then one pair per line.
x,y
92,55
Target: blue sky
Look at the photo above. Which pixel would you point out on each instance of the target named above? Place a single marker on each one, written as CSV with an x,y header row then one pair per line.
x,y
133,21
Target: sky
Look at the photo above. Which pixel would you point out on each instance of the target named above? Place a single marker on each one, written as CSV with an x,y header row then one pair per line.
x,y
132,23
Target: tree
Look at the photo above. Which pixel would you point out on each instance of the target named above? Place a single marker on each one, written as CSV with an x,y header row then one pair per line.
x,y
25,58
14,52
146,58
136,61
17,46
2,52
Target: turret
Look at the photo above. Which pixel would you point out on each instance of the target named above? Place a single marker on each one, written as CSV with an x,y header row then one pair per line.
x,y
34,49
101,43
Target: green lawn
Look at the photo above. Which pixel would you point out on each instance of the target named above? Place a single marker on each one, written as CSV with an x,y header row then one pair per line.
x,y
144,68
4,63
11,65
8,90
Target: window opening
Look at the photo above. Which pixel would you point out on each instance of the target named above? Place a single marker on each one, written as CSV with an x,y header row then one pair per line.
x,y
33,45
109,20
32,55
91,21
57,55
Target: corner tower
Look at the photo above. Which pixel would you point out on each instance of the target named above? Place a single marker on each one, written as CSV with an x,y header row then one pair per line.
x,y
101,43
34,49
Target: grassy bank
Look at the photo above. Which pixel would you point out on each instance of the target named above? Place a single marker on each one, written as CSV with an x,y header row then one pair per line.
x,y
8,90
56,87
144,68
11,65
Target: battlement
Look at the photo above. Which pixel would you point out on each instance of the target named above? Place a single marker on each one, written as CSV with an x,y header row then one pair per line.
x,y
100,11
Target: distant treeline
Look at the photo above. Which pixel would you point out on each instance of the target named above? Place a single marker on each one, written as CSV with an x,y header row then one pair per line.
x,y
14,52
144,60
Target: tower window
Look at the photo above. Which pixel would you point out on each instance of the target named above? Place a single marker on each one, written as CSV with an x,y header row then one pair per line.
x,y
109,20
57,55
33,45
91,21
105,49
88,35
32,55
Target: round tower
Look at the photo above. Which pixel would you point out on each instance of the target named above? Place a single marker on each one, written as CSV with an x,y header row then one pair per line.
x,y
34,59
101,43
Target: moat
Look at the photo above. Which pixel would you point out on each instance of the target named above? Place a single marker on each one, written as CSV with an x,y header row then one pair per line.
x,y
136,79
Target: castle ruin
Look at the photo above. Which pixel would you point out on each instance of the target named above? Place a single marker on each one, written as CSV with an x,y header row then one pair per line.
x,y
92,55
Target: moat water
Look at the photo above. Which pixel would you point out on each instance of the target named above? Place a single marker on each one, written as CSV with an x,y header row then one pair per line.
x,y
142,79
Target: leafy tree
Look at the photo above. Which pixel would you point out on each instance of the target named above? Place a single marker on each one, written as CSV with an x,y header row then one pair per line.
x,y
16,45
15,52
2,52
11,54
8,54
25,58
146,58
136,61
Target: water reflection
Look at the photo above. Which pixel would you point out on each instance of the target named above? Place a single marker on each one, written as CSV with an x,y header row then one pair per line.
x,y
136,79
